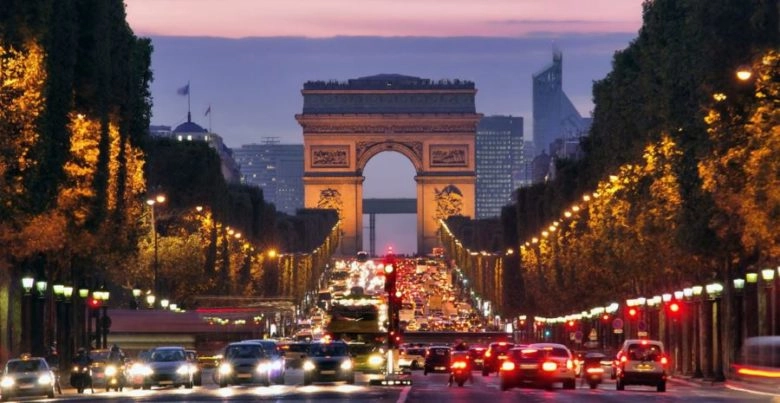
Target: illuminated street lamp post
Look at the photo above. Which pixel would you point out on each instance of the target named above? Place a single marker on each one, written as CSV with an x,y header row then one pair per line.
x,y
27,285
714,291
698,344
769,278
159,199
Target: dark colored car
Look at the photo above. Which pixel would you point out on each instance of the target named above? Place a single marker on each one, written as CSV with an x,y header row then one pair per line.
x,y
276,355
328,361
477,354
541,364
28,376
437,359
494,356
244,362
168,366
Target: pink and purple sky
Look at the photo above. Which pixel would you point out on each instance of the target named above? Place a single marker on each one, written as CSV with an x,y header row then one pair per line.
x,y
247,60
327,18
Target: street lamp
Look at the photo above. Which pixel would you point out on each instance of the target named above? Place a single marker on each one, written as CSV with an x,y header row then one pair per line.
x,y
714,291
150,298
769,276
136,296
159,199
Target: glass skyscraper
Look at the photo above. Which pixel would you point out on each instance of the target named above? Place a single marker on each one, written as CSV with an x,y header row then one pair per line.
x,y
277,169
500,163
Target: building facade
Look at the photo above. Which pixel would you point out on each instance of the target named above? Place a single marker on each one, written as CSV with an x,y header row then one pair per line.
x,y
557,123
500,163
277,169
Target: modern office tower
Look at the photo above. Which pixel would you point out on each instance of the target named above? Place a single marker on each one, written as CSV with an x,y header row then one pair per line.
x,y
190,131
277,169
500,163
555,117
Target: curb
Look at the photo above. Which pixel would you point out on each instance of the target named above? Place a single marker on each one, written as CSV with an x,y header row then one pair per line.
x,y
697,383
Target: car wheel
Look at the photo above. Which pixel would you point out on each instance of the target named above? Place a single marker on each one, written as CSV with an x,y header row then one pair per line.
x,y
50,394
351,380
662,387
570,384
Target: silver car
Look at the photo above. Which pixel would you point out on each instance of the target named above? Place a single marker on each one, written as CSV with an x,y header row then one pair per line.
x,y
27,376
168,366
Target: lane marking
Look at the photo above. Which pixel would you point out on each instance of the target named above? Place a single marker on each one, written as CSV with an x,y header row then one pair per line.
x,y
404,393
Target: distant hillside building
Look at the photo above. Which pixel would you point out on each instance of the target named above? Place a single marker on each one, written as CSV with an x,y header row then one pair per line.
x,y
500,163
189,131
557,123
275,168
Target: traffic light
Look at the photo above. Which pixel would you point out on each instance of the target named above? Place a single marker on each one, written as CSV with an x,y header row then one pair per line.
x,y
605,317
390,276
632,313
674,308
93,303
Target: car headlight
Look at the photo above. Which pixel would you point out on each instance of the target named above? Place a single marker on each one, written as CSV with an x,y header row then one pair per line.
x,y
308,366
110,371
276,365
7,382
375,360
225,369
346,364
183,370
263,367
140,370
44,379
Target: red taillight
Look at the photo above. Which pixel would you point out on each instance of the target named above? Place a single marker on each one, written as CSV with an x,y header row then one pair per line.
x,y
664,361
623,359
459,364
487,354
595,370
549,366
508,366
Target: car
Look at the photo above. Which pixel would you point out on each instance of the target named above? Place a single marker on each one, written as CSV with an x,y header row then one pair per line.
x,y
541,364
642,362
27,376
167,366
106,375
244,362
411,357
494,356
437,359
276,354
295,352
367,358
328,361
477,354
197,375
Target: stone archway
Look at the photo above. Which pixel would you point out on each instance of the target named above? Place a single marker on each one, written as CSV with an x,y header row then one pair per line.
x,y
433,124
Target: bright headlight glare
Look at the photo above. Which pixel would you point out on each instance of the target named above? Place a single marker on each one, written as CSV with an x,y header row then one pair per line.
x,y
111,371
183,370
263,367
308,366
276,365
7,382
44,379
225,369
375,360
346,364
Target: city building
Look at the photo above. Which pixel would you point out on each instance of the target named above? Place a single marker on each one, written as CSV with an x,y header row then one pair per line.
x,y
277,169
500,163
190,131
557,125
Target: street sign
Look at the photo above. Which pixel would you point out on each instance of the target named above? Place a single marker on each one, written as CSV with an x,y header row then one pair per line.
x,y
578,336
593,336
641,326
617,324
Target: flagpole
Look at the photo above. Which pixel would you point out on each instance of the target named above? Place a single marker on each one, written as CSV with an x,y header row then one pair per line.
x,y
210,119
188,100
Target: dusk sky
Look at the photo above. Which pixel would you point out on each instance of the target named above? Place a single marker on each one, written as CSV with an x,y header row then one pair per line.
x,y
248,59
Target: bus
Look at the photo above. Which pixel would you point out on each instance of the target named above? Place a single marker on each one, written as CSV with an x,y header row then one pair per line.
x,y
356,323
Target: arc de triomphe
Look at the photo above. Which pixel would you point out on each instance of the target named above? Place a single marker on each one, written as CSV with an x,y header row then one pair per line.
x,y
432,123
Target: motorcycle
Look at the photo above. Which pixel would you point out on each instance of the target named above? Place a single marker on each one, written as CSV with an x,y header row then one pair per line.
x,y
593,372
115,377
460,372
81,377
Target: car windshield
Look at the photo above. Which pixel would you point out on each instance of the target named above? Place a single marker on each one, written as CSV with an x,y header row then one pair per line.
x,y
24,366
99,356
327,350
644,352
167,355
501,347
297,348
245,351
360,349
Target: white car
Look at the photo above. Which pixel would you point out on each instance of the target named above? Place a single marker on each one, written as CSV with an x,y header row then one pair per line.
x,y
642,362
412,357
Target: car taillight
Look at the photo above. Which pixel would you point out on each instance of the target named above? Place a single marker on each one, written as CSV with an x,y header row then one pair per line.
x,y
549,366
664,361
487,354
508,366
569,364
623,359
595,370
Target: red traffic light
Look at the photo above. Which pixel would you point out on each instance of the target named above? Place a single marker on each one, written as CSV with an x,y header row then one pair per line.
x,y
93,303
605,317
674,307
571,323
632,312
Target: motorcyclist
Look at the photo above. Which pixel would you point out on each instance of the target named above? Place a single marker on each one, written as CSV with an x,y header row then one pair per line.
x,y
82,359
460,355
53,359
116,355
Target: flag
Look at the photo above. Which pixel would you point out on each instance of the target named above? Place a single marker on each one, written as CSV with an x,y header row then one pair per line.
x,y
184,90
208,110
